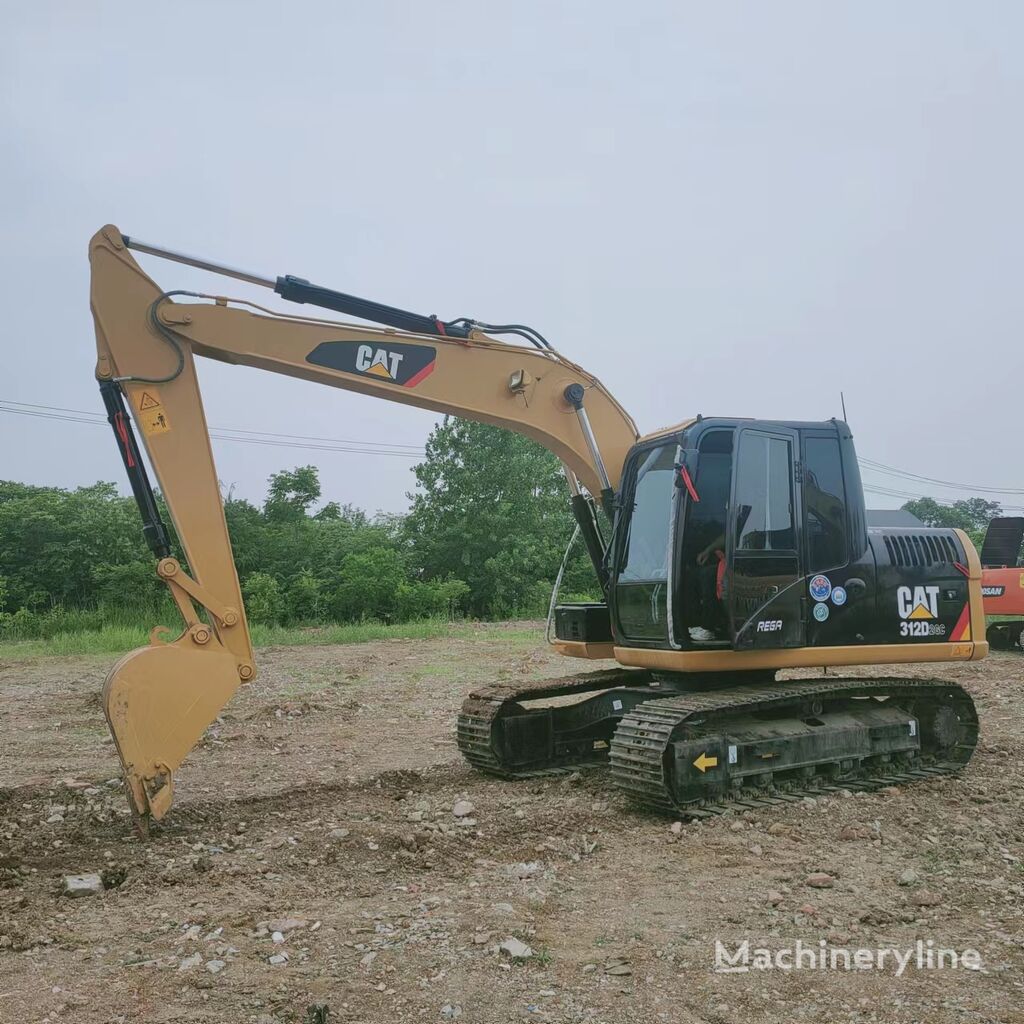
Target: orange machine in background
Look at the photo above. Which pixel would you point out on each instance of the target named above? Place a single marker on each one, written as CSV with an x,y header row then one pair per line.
x,y
1002,582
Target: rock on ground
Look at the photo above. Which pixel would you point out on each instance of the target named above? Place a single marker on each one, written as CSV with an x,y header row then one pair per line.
x,y
77,886
516,949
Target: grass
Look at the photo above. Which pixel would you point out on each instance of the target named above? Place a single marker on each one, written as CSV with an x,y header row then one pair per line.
x,y
542,956
350,633
119,638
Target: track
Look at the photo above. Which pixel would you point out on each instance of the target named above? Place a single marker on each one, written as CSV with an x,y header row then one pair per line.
x,y
640,749
1006,635
484,708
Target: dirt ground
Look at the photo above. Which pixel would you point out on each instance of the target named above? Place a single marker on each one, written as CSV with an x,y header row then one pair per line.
x,y
320,808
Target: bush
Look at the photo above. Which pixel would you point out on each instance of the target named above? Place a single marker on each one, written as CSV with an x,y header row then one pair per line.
x,y
486,532
25,624
432,599
21,625
453,596
304,598
127,585
369,586
263,601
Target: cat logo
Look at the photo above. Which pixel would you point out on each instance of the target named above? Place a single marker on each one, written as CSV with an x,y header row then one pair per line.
x,y
381,363
397,363
918,602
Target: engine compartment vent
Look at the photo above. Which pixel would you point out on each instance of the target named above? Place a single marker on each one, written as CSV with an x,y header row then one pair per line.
x,y
913,547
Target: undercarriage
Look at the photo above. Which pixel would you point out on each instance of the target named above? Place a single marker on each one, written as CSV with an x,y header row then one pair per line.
x,y
1006,636
695,746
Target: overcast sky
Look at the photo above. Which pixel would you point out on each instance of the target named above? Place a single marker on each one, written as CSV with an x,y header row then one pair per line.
x,y
732,209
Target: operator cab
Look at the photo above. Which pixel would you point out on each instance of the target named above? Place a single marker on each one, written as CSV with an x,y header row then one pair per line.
x,y
722,526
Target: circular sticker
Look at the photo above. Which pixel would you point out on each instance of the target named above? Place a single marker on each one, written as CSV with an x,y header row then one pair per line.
x,y
838,596
821,612
821,587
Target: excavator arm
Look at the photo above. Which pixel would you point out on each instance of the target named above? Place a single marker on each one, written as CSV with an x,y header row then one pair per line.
x,y
160,699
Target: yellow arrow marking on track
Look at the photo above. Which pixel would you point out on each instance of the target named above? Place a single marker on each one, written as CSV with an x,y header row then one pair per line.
x,y
703,763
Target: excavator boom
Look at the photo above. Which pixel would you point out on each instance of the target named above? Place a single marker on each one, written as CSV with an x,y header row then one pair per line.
x,y
160,699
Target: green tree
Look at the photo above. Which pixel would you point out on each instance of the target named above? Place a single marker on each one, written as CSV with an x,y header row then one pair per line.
x,y
247,528
51,540
368,585
347,513
305,597
971,515
263,601
127,584
291,494
492,510
487,535
424,599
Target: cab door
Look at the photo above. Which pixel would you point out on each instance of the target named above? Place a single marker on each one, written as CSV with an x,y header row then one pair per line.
x,y
764,581
641,586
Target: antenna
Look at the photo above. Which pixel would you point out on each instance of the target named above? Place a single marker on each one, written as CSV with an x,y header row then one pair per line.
x,y
842,400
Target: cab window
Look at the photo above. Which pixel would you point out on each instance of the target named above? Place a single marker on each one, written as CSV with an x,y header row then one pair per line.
x,y
825,504
707,517
764,495
647,542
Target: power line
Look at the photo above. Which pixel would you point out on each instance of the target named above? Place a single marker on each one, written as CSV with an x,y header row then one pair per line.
x,y
881,467
232,430
265,441
53,416
407,449
86,416
269,438
890,492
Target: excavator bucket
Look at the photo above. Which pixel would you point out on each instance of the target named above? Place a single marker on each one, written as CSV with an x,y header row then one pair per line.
x,y
159,701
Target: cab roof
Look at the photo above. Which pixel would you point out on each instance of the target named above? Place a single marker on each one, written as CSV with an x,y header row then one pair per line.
x,y
724,421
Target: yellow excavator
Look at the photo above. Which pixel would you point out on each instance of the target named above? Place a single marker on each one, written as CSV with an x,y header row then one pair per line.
x,y
725,550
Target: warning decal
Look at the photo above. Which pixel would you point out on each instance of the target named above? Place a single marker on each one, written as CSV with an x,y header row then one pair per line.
x,y
151,416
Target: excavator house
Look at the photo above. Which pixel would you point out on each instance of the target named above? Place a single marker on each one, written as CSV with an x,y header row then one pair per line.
x,y
725,550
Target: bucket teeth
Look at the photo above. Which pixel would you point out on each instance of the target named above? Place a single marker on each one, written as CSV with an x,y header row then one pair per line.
x,y
158,702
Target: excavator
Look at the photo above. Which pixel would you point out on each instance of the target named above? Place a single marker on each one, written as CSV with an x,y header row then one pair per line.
x,y
1002,582
725,550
